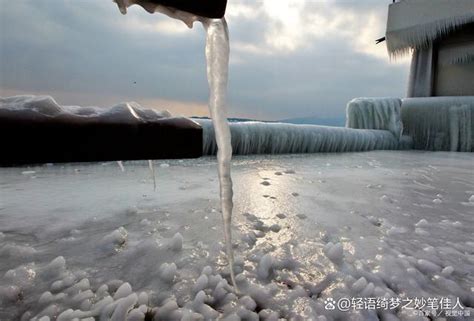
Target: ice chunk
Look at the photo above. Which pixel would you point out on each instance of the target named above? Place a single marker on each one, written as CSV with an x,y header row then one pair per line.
x,y
427,266
422,223
334,252
359,285
176,243
143,298
123,291
248,303
265,266
10,293
168,272
123,305
275,228
201,283
55,268
447,270
136,315
115,239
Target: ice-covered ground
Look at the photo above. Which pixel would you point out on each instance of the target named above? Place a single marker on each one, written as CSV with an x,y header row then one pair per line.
x,y
88,241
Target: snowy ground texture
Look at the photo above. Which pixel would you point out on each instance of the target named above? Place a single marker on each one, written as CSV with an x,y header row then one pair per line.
x,y
89,242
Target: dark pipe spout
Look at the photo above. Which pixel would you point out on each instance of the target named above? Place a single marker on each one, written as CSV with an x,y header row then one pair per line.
x,y
204,8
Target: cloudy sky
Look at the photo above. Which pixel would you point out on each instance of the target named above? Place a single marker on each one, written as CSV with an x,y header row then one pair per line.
x,y
289,58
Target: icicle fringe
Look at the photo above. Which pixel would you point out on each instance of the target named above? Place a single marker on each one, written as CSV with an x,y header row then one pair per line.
x,y
401,42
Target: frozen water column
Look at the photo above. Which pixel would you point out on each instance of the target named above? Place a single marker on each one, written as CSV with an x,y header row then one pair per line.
x,y
441,36
438,114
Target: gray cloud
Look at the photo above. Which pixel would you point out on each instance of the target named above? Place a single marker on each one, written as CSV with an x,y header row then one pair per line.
x,y
88,49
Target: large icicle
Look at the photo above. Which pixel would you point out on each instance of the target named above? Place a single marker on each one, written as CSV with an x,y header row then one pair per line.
x,y
217,55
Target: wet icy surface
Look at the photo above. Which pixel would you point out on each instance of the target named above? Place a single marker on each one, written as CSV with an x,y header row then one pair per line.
x,y
307,228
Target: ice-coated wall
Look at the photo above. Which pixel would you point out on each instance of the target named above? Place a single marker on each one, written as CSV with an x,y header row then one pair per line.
x,y
279,138
440,123
375,113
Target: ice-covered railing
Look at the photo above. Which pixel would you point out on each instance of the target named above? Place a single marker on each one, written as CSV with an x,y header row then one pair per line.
x,y
279,138
440,123
375,113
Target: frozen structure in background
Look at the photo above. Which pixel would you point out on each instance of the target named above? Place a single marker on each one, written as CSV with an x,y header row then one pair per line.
x,y
438,115
441,36
431,123
278,138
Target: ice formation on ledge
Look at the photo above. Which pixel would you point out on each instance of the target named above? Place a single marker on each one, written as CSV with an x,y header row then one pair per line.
x,y
46,106
375,113
278,138
440,123
413,24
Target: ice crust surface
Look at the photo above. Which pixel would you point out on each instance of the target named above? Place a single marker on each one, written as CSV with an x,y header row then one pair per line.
x,y
90,241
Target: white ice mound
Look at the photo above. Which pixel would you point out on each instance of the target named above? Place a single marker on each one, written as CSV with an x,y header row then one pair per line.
x,y
115,240
46,106
440,123
375,113
279,138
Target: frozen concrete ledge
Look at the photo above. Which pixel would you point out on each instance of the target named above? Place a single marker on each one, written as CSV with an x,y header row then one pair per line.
x,y
281,138
440,123
36,129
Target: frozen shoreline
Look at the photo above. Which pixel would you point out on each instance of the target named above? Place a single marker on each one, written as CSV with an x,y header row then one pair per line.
x,y
308,228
